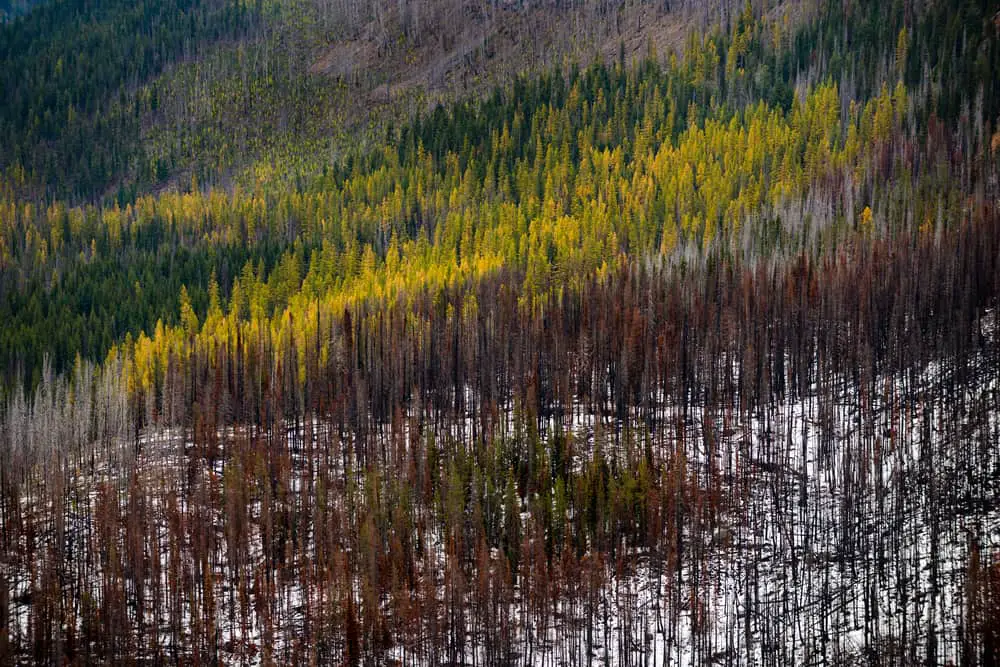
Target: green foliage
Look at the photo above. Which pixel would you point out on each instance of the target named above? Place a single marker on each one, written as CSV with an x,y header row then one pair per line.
x,y
557,178
73,73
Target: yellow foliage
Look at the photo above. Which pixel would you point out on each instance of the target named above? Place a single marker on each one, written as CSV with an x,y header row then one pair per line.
x,y
865,222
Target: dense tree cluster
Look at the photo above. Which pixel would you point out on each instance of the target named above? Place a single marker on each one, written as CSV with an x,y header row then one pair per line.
x,y
558,174
555,176
66,64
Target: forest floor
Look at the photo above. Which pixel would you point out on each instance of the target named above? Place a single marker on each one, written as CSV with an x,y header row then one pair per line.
x,y
849,523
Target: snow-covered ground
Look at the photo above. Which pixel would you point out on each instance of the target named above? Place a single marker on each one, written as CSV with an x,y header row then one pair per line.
x,y
846,528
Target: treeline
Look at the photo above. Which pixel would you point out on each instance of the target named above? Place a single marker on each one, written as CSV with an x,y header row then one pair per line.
x,y
424,483
873,306
553,176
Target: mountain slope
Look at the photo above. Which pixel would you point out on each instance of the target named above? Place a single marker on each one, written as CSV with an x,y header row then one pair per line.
x,y
642,344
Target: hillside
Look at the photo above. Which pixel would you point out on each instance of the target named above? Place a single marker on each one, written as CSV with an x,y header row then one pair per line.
x,y
500,333
211,87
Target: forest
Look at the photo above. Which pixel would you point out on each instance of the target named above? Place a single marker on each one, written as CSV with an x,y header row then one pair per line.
x,y
336,332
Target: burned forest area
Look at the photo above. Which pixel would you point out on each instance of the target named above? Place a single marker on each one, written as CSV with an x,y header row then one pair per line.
x,y
465,332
